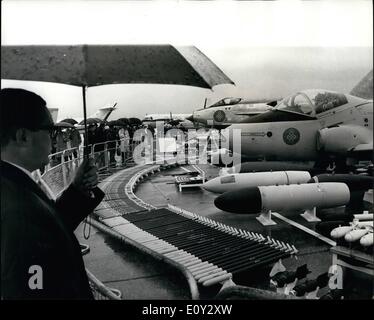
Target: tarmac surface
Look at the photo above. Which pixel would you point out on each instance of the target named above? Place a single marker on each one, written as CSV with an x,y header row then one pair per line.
x,y
139,276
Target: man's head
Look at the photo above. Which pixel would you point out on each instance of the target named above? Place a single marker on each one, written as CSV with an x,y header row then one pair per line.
x,y
26,125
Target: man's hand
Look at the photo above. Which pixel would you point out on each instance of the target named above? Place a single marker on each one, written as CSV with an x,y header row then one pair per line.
x,y
86,177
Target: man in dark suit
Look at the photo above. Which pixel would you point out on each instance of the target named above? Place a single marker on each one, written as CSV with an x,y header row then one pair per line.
x,y
40,256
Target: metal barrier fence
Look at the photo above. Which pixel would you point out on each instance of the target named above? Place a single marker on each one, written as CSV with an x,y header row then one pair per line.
x,y
62,165
60,171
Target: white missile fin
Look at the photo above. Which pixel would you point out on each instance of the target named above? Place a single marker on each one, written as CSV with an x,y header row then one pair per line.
x,y
277,267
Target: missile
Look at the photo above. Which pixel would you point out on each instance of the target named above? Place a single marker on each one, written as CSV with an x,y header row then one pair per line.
x,y
367,240
340,232
283,198
364,216
263,166
357,186
353,181
355,235
238,181
325,227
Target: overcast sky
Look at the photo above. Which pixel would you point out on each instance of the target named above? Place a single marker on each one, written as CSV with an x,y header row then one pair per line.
x,y
268,48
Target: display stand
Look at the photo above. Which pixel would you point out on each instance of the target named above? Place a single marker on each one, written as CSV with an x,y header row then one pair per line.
x,y
310,215
265,218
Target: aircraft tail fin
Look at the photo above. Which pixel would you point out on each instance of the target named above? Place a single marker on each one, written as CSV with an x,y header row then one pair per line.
x,y
54,113
364,89
104,113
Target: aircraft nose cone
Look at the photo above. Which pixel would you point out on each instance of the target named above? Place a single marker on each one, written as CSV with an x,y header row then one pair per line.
x,y
211,185
190,118
244,201
223,202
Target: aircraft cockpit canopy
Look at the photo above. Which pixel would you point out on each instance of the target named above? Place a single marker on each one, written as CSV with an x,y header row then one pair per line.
x,y
312,102
226,102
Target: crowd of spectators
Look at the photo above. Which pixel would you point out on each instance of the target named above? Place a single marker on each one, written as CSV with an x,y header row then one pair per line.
x,y
113,136
69,142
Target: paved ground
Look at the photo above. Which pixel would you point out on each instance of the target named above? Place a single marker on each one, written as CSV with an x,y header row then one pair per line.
x,y
136,275
142,277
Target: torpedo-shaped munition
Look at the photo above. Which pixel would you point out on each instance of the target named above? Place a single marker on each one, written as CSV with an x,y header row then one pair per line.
x,y
364,216
283,198
325,227
340,232
238,181
263,166
367,240
353,181
355,235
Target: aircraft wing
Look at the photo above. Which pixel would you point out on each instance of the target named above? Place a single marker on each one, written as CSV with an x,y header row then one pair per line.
x,y
363,147
362,151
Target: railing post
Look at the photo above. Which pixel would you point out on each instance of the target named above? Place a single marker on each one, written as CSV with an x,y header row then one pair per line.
x,y
106,158
76,159
93,146
48,166
64,174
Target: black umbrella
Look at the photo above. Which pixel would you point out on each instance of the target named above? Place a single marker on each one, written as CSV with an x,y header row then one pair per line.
x,y
116,123
63,124
135,122
124,120
70,120
93,65
91,121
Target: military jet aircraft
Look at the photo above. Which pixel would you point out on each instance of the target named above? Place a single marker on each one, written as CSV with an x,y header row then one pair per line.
x,y
228,111
174,119
310,125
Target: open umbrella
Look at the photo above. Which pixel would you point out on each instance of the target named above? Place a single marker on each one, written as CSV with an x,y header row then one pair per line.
x,y
63,124
93,65
125,121
116,123
135,122
70,120
92,121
